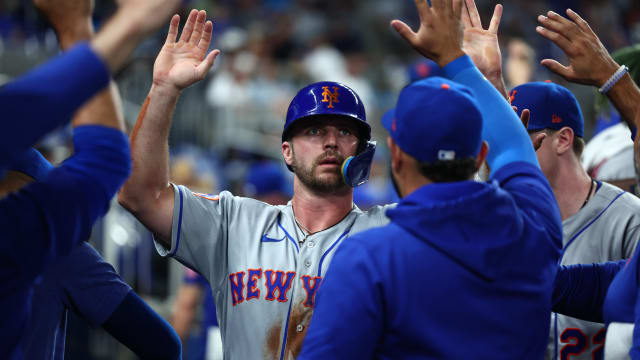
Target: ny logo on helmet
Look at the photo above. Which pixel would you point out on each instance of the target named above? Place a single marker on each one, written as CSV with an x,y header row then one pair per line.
x,y
328,96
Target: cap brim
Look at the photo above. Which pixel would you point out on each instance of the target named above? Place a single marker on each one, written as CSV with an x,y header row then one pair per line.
x,y
387,119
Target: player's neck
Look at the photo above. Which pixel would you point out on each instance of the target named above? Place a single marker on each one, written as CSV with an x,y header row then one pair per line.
x,y
570,185
316,212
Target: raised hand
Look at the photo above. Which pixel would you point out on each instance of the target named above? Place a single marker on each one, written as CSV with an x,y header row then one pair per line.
x,y
184,62
480,44
589,61
439,37
71,19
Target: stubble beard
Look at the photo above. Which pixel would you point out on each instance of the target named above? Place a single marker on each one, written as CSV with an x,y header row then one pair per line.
x,y
327,185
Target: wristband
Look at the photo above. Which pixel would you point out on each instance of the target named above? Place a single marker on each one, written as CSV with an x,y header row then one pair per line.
x,y
623,69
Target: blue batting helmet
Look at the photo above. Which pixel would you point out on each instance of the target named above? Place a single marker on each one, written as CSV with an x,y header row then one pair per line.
x,y
326,98
332,98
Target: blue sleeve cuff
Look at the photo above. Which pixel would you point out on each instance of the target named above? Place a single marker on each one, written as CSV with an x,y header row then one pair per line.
x,y
457,66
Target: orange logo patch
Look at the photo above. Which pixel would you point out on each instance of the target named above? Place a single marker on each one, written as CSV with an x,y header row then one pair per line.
x,y
512,96
556,119
328,96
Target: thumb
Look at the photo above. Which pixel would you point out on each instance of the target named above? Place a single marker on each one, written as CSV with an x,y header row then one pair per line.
x,y
203,68
404,30
557,68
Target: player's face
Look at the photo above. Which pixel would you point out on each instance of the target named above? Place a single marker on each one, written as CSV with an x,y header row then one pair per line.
x,y
543,145
319,149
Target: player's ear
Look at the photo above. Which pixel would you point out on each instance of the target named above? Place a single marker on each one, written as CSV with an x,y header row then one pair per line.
x,y
287,152
396,155
564,140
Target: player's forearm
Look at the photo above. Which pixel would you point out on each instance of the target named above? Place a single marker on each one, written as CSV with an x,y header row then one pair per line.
x,y
150,150
117,39
104,109
625,97
579,290
498,82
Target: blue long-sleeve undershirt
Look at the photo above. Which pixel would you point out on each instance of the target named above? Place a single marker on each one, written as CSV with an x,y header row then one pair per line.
x,y
47,218
46,97
501,128
579,290
149,336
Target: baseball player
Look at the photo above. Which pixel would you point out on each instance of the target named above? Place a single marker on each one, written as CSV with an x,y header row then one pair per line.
x,y
264,263
600,221
431,283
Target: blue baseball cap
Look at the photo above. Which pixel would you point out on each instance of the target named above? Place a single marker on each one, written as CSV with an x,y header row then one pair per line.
x,y
436,119
552,106
32,163
265,178
423,69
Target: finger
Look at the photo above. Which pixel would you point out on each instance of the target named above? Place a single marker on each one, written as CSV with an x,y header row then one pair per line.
x,y
423,10
557,68
438,6
404,30
557,39
466,20
495,19
188,26
582,23
567,27
203,68
473,13
173,29
524,117
197,30
206,36
457,8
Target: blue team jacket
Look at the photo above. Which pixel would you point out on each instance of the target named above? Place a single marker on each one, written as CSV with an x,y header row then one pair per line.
x,y
463,271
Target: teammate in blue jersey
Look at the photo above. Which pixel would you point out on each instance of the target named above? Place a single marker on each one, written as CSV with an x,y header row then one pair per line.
x,y
465,269
88,286
46,219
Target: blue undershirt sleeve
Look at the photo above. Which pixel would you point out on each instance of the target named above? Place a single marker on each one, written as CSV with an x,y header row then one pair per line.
x,y
502,129
579,290
47,218
45,98
142,330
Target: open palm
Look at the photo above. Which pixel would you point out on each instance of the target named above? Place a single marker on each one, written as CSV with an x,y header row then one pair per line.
x,y
184,62
480,44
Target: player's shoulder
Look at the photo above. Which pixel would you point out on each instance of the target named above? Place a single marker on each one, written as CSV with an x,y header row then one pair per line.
x,y
611,192
376,211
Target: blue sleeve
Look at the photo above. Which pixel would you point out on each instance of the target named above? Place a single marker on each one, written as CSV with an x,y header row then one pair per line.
x,y
47,97
502,129
46,219
634,352
579,290
91,287
347,320
142,330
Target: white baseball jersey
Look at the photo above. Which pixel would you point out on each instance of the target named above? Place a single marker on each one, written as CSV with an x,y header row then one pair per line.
x,y
606,229
263,271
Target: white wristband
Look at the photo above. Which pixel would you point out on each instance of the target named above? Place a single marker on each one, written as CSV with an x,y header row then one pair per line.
x,y
623,69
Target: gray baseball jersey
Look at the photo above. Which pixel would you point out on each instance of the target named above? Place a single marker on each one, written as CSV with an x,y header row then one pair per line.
x,y
263,271
606,229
